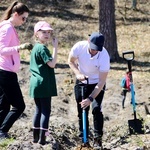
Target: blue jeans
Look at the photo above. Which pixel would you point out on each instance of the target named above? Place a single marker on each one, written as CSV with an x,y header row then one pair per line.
x,y
42,113
10,95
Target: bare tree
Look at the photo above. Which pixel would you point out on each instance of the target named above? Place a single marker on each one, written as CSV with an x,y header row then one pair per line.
x,y
107,27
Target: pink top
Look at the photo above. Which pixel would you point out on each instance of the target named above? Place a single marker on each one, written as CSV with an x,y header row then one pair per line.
x,y
9,56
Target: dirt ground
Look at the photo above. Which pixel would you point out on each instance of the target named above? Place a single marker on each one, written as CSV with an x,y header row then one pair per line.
x,y
63,120
63,125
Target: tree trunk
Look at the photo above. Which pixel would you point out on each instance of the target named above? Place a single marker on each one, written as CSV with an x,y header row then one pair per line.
x,y
107,27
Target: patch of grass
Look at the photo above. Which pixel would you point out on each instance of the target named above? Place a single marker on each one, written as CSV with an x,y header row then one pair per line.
x,y
4,143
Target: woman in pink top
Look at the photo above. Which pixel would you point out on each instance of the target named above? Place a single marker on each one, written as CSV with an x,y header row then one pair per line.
x,y
10,93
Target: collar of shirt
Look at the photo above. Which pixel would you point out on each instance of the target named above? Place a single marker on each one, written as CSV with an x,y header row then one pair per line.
x,y
94,57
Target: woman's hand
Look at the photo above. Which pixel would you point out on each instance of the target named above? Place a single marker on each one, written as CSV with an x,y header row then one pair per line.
x,y
28,46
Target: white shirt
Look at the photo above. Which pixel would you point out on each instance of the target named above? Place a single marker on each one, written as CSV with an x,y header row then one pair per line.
x,y
90,66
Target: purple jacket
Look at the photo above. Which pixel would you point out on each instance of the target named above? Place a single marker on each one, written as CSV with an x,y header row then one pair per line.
x,y
9,55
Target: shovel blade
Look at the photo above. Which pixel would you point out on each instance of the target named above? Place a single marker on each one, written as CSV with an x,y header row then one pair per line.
x,y
136,126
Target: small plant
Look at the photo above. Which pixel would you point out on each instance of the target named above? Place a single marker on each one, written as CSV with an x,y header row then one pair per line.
x,y
4,143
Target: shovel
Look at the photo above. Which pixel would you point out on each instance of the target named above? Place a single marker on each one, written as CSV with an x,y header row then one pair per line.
x,y
84,113
135,125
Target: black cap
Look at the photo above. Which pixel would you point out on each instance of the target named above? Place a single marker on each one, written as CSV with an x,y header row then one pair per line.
x,y
96,41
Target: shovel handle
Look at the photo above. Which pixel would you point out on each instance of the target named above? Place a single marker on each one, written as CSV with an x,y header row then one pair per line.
x,y
128,55
83,111
82,84
84,125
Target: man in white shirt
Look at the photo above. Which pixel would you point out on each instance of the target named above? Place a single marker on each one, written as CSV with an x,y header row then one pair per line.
x,y
89,59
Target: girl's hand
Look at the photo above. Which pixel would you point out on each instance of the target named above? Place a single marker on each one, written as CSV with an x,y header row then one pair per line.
x,y
55,43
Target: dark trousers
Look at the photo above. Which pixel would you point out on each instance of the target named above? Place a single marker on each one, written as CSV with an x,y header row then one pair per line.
x,y
42,113
10,97
123,93
96,108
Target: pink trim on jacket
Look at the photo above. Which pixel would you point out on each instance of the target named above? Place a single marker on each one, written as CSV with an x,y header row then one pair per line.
x,y
9,56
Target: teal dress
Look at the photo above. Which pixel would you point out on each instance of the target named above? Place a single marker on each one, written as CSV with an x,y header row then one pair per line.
x,y
42,80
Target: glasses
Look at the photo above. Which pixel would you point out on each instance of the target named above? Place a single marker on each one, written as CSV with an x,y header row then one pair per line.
x,y
24,19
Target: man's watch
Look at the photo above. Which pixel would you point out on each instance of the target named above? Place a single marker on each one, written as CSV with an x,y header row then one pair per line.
x,y
90,98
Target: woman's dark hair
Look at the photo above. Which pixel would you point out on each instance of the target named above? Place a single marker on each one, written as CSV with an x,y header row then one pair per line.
x,y
16,6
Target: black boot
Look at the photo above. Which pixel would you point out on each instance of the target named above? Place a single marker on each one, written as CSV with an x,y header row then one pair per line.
x,y
42,139
36,133
97,143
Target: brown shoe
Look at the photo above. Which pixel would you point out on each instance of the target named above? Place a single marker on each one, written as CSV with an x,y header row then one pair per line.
x,y
87,144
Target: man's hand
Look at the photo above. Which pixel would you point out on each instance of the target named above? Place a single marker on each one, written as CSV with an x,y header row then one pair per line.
x,y
80,77
28,46
85,103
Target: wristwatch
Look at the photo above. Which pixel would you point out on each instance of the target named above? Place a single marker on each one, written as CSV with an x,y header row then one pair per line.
x,y
90,98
